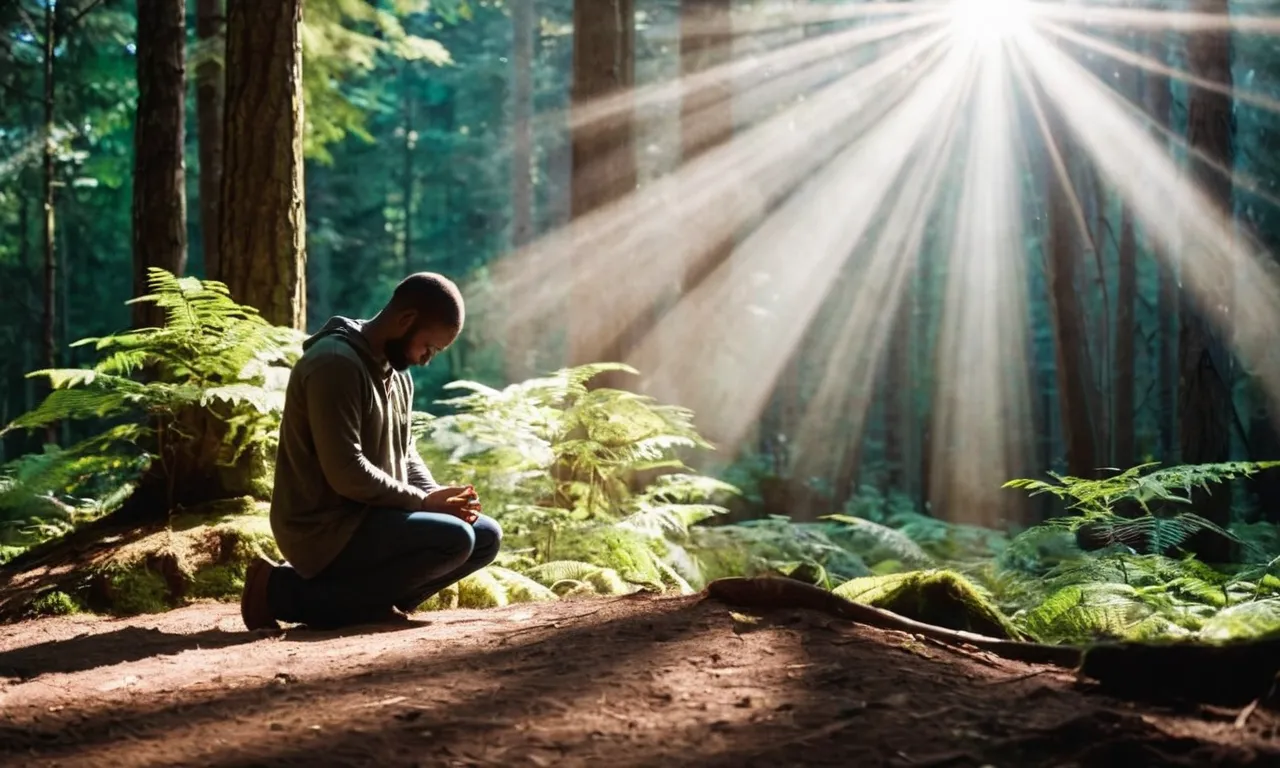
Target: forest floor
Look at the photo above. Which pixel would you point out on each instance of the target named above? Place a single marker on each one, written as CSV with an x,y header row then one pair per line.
x,y
628,682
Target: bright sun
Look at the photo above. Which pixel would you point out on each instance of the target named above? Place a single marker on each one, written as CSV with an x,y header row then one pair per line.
x,y
988,21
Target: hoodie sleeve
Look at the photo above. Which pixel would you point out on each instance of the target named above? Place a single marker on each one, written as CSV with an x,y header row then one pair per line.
x,y
334,407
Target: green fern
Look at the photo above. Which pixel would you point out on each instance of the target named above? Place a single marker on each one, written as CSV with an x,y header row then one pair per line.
x,y
876,542
1256,620
581,474
212,356
772,545
1099,497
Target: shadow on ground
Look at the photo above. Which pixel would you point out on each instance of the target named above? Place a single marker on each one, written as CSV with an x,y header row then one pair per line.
x,y
636,682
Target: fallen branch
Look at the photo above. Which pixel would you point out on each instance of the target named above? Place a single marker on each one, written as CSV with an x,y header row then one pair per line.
x,y
779,594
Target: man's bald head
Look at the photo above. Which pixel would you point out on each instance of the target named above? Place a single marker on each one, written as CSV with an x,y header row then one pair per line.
x,y
434,298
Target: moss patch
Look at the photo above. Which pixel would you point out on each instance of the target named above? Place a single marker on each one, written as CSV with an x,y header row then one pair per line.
x,y
202,555
939,597
134,588
492,587
53,603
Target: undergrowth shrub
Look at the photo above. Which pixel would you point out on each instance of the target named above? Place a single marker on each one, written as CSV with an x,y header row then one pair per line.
x,y
192,407
590,484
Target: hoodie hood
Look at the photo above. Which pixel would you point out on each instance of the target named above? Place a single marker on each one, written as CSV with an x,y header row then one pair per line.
x,y
348,330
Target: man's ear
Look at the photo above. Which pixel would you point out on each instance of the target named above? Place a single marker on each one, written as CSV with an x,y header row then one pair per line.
x,y
405,320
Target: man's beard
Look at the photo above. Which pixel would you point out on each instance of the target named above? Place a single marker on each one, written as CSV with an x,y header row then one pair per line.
x,y
396,352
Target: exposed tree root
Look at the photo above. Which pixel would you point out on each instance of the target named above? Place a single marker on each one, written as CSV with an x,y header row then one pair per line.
x,y
769,593
1233,674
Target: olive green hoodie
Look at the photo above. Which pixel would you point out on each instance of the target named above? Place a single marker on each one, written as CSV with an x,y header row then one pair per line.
x,y
345,446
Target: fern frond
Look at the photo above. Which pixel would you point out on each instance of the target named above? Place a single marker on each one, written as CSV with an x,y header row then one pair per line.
x,y
875,542
1257,620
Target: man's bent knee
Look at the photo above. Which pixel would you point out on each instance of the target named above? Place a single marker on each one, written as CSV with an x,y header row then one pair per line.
x,y
488,537
453,536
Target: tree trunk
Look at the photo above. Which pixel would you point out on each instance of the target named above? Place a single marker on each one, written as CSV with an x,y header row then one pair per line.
x,y
706,117
159,167
1158,98
30,270
1072,357
523,29
899,403
210,93
604,164
409,178
263,224
1122,392
1122,366
1204,380
50,357
520,351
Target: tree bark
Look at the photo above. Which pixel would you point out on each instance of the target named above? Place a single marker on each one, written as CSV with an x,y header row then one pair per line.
x,y
523,25
210,93
50,250
1122,365
604,165
263,224
1157,98
1122,391
1204,376
159,166
520,351
1071,351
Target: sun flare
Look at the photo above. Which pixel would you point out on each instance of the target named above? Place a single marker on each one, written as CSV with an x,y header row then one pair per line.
x,y
989,22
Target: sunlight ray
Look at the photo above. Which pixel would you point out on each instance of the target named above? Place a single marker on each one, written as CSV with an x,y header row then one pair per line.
x,y
752,313
707,199
1241,180
981,421
743,74
1140,18
784,16
1174,210
847,380
1119,53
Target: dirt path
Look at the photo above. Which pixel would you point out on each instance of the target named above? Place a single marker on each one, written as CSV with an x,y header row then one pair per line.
x,y
630,682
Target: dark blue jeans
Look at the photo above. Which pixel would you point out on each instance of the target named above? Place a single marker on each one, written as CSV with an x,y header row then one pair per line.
x,y
395,558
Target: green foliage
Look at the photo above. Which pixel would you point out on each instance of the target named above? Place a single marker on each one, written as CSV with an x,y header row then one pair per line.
x,y
1100,497
580,475
43,495
211,351
343,43
1157,529
212,357
940,597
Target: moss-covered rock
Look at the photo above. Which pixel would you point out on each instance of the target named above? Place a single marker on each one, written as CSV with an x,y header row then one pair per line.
x,y
202,554
134,587
939,597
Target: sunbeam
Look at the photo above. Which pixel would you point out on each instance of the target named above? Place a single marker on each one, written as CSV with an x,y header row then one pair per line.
x,y
857,147
989,22
1180,216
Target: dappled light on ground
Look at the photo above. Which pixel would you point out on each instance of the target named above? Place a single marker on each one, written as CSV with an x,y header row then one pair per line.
x,y
634,681
890,132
